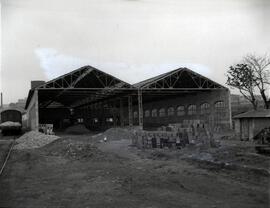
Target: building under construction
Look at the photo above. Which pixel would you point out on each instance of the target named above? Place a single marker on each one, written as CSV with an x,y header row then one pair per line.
x,y
99,100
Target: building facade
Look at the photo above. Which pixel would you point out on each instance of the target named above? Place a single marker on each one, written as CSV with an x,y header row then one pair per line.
x,y
100,100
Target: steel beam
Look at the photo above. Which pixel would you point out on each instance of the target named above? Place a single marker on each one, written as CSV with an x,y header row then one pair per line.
x,y
36,111
121,112
130,111
140,108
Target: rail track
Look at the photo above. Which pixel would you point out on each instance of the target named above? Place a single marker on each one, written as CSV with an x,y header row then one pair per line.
x,y
10,148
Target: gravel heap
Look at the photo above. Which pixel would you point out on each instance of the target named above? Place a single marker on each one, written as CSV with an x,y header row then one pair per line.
x,y
10,123
34,139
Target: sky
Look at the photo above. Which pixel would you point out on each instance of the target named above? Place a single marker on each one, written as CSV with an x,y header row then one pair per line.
x,y
130,39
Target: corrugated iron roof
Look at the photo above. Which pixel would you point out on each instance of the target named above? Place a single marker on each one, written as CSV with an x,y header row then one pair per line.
x,y
262,113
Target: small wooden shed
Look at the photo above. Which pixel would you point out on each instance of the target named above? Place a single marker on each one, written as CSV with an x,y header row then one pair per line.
x,y
249,124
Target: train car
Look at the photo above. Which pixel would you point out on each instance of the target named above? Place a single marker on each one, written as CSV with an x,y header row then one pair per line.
x,y
10,121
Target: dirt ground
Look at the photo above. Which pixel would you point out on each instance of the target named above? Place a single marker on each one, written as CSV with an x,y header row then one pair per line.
x,y
81,171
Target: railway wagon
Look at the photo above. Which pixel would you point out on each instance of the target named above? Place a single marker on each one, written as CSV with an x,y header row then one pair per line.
x,y
11,121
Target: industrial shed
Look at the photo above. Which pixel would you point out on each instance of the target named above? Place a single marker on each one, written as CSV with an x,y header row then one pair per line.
x,y
247,125
100,100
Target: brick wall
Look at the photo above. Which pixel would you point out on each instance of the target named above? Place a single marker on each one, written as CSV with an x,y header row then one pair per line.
x,y
212,116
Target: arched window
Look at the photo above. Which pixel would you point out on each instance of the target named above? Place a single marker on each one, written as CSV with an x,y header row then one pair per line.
x,y
205,108
154,113
170,111
162,112
219,106
192,110
220,112
135,114
146,113
180,110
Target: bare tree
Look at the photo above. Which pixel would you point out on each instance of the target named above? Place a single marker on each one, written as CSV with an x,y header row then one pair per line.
x,y
260,65
241,76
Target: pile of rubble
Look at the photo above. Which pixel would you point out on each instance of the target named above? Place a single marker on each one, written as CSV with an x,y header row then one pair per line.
x,y
74,150
34,139
263,137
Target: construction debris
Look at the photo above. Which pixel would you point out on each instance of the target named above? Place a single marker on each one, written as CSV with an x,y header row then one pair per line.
x,y
76,151
263,137
263,141
175,136
34,139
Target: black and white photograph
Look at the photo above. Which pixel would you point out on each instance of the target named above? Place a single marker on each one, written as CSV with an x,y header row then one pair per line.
x,y
135,104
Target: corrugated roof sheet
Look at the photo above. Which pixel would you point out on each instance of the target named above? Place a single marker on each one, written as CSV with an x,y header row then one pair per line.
x,y
263,113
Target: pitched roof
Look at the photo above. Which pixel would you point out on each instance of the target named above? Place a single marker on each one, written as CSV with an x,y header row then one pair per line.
x,y
262,113
185,78
72,86
86,77
150,80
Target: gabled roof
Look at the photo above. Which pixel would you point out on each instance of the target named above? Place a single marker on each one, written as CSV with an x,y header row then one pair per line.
x,y
89,85
73,85
86,77
262,113
178,78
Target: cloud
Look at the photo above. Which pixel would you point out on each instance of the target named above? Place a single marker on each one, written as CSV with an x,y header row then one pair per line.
x,y
55,64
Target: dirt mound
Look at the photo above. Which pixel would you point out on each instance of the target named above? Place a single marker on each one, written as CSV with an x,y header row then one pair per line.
x,y
34,139
74,150
77,129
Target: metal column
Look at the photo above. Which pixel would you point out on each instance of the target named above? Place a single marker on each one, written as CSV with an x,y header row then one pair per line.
x,y
114,113
140,110
230,108
36,110
121,112
130,111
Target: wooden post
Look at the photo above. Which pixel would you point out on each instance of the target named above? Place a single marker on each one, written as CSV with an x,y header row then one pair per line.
x,y
130,111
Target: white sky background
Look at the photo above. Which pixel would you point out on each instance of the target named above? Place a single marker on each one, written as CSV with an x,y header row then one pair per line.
x,y
131,39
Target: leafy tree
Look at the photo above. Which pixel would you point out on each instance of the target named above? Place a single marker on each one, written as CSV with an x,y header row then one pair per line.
x,y
250,76
241,76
